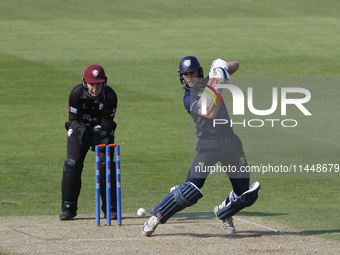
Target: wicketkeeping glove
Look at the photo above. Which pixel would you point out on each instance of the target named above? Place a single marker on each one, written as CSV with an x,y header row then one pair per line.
x,y
85,135
100,135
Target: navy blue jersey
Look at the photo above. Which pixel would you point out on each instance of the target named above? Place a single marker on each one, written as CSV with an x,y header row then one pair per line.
x,y
204,126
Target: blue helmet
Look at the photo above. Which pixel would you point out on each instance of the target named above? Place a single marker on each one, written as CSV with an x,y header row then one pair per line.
x,y
189,64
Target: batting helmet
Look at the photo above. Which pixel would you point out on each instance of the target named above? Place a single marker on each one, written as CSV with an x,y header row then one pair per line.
x,y
189,64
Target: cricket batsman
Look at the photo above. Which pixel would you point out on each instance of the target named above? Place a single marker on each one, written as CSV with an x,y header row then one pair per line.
x,y
92,108
215,144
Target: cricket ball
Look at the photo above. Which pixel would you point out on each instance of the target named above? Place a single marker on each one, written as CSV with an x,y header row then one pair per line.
x,y
141,212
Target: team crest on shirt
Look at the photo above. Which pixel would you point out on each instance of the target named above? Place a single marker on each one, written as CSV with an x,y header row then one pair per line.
x,y
95,73
101,106
187,62
242,160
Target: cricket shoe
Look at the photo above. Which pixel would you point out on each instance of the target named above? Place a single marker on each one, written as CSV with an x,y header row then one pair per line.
x,y
150,225
67,215
227,224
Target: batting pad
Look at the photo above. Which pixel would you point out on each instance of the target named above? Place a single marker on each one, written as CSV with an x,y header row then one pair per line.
x,y
236,203
181,197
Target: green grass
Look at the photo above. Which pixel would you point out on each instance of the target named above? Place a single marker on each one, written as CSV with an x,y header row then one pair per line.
x,y
45,47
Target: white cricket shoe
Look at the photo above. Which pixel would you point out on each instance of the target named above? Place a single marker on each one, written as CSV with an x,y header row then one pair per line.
x,y
228,225
150,225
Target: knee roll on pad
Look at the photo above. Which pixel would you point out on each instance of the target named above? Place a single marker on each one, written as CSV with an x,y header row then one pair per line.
x,y
183,196
236,203
187,194
72,167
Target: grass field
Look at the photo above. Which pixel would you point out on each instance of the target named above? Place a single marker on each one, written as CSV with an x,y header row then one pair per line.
x,y
45,46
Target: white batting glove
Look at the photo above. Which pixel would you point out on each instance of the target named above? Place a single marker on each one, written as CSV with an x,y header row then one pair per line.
x,y
219,69
219,63
219,73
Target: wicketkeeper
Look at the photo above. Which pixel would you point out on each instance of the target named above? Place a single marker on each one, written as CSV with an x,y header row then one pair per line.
x,y
215,144
92,108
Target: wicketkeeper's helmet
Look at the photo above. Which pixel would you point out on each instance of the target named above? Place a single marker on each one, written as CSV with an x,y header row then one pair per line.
x,y
94,74
189,64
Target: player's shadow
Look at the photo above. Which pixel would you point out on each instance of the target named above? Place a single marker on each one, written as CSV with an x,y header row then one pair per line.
x,y
86,218
210,215
259,214
194,216
237,235
191,217
254,234
313,232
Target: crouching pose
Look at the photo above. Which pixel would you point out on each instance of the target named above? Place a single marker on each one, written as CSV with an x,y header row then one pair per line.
x,y
215,144
92,108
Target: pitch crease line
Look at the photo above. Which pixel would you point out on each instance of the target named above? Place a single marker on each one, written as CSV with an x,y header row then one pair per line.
x,y
259,225
28,234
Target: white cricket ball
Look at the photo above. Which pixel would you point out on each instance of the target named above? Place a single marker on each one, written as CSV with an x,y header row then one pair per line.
x,y
141,212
